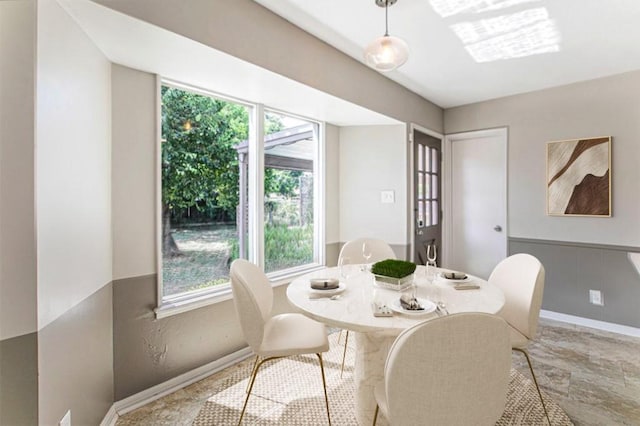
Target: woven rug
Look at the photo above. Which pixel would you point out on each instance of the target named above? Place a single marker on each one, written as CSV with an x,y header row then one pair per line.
x,y
288,391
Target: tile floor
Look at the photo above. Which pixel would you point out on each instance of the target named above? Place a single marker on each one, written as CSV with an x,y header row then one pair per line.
x,y
593,375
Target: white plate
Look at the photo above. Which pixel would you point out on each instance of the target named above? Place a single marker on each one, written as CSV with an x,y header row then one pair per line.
x,y
428,306
341,287
449,280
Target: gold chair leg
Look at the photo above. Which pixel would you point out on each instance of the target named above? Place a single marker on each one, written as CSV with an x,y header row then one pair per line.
x,y
526,355
251,383
344,354
375,415
324,385
252,375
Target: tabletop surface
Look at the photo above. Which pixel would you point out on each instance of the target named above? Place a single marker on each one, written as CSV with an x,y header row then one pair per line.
x,y
353,311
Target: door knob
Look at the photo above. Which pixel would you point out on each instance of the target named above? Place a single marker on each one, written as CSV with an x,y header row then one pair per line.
x,y
497,228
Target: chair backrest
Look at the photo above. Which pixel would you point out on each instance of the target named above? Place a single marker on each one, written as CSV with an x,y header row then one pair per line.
x,y
452,370
521,279
380,250
253,300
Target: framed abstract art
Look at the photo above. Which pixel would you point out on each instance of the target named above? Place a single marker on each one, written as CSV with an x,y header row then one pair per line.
x,y
579,177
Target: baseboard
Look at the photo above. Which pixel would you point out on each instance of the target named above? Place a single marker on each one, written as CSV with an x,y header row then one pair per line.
x,y
587,322
132,402
110,418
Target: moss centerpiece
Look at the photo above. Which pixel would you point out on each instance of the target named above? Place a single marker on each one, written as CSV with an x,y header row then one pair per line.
x,y
394,274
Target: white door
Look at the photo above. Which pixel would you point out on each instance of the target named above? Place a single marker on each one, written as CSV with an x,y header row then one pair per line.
x,y
477,201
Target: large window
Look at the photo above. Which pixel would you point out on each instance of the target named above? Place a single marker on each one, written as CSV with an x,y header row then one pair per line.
x,y
219,203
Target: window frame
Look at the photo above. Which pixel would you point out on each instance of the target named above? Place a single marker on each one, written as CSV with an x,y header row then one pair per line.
x,y
182,302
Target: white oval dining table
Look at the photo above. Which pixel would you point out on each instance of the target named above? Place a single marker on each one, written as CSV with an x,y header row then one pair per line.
x,y
374,335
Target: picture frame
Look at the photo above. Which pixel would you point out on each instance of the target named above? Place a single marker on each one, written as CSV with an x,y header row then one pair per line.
x,y
579,177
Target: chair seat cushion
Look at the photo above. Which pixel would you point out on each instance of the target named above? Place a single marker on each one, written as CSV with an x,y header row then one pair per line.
x,y
293,334
518,340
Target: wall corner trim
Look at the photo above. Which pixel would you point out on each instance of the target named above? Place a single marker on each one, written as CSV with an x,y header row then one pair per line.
x,y
139,399
587,322
110,418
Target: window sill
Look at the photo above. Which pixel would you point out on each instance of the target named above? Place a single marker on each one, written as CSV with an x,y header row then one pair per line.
x,y
176,305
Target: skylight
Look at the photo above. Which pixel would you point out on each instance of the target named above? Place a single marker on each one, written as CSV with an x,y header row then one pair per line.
x,y
526,33
446,8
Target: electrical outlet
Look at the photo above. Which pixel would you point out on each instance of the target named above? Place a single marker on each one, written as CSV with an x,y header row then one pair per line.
x,y
66,419
595,297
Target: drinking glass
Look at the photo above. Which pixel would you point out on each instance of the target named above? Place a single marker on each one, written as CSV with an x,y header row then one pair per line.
x,y
430,272
345,268
366,252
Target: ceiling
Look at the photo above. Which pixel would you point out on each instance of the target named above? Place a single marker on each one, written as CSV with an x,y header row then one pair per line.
x,y
136,44
465,51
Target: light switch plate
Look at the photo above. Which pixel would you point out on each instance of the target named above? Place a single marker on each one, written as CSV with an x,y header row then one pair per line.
x,y
387,197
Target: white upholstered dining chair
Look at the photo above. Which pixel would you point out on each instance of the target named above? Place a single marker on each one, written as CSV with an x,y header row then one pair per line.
x,y
272,336
352,250
521,279
453,370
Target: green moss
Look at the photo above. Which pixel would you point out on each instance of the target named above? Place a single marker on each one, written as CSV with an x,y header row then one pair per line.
x,y
393,268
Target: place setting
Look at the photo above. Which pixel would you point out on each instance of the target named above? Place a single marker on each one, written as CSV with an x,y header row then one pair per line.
x,y
325,288
459,280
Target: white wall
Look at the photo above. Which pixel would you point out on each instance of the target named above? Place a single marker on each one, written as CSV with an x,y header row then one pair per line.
x,y
73,161
373,159
604,107
17,231
332,184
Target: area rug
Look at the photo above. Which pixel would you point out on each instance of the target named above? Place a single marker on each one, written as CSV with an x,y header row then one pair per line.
x,y
288,391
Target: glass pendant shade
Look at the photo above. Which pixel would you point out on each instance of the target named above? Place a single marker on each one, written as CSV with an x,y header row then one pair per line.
x,y
386,53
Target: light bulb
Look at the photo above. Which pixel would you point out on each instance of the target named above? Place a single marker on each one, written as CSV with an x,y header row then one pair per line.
x,y
386,53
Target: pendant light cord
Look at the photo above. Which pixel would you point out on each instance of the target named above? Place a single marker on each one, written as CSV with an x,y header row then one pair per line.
x,y
386,18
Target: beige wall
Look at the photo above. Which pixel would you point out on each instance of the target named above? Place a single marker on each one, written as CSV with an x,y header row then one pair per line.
x,y
18,301
134,165
149,351
607,106
17,124
250,32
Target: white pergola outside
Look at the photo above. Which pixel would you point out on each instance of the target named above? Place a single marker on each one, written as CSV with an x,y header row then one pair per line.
x,y
289,149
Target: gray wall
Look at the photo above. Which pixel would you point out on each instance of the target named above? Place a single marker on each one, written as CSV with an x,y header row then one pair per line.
x,y
148,351
608,106
574,269
19,380
76,362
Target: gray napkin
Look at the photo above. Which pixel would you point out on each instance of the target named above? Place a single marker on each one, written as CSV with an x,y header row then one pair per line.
x,y
410,303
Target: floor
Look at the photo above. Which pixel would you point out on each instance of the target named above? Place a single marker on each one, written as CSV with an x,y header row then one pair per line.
x,y
593,375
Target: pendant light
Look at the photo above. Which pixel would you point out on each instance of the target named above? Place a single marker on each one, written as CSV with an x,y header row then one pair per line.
x,y
386,53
